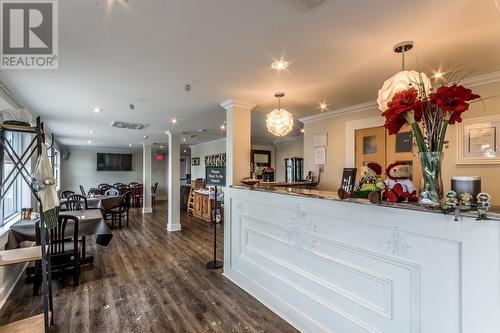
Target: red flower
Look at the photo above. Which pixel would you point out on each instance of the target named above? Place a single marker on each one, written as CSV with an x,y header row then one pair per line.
x,y
454,99
402,102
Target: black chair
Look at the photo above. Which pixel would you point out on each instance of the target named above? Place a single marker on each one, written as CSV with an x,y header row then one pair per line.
x,y
122,189
105,188
64,250
102,185
75,202
154,189
122,211
116,185
66,194
95,191
132,184
82,190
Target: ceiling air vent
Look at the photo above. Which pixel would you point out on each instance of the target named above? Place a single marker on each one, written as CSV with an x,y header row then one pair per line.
x,y
123,124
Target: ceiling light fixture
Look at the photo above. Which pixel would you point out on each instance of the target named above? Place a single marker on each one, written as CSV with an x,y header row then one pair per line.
x,y
184,140
323,106
302,130
223,127
403,80
438,75
174,120
97,109
162,147
280,65
130,145
185,150
89,141
91,131
279,122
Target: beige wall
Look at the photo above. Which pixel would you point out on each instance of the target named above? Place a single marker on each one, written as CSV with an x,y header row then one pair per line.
x,y
287,149
336,150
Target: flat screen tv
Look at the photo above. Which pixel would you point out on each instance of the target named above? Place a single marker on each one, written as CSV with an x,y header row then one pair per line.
x,y
114,162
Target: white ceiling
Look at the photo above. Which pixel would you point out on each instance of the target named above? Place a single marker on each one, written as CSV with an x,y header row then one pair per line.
x,y
113,53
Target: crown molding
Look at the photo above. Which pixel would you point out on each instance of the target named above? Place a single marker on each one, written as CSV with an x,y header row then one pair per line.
x,y
288,139
481,79
230,103
470,82
339,112
207,142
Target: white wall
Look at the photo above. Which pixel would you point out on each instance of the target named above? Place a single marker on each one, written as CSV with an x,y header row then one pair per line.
x,y
204,149
286,149
80,169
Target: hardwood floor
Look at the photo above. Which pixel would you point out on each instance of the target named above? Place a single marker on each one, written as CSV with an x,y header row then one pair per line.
x,y
149,280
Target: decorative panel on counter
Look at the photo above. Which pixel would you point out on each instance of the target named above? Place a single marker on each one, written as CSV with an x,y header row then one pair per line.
x,y
333,266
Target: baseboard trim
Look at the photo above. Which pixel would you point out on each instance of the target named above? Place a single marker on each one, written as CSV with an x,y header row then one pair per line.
x,y
174,227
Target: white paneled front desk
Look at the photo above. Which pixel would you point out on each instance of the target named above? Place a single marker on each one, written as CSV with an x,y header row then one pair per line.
x,y
349,267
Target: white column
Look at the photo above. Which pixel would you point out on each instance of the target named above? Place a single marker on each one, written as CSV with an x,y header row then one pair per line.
x,y
173,182
238,141
146,178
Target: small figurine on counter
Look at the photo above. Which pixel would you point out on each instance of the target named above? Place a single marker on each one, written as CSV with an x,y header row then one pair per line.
x,y
449,202
483,205
369,185
465,201
399,186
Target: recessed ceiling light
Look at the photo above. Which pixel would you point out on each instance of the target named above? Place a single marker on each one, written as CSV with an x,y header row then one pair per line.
x,y
323,106
223,127
280,65
130,145
302,130
89,141
201,130
97,109
174,120
145,136
185,150
91,131
184,139
162,147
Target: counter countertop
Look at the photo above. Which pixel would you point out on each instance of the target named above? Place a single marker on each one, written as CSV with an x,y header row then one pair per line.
x,y
493,214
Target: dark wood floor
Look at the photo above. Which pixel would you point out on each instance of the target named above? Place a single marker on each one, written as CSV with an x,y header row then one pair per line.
x,y
149,280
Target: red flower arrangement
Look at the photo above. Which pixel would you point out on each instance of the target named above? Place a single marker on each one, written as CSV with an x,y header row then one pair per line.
x,y
428,113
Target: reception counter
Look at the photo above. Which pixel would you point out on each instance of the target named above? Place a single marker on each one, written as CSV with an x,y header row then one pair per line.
x,y
327,265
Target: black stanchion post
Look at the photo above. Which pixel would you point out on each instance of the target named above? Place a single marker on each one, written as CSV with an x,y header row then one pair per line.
x,y
215,264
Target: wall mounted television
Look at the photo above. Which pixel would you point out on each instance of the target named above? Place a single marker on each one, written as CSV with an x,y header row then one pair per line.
x,y
114,162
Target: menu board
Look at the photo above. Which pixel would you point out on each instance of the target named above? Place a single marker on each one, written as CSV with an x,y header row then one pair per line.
x,y
216,176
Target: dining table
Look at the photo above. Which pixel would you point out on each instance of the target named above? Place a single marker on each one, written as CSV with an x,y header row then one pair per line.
x,y
90,222
101,201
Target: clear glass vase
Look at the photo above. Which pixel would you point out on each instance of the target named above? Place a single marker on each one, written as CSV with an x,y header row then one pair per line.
x,y
431,184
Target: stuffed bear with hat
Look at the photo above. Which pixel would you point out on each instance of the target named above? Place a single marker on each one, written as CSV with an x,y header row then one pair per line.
x,y
400,188
370,183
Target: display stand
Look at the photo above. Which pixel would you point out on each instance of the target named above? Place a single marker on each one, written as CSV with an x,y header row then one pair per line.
x,y
37,323
215,264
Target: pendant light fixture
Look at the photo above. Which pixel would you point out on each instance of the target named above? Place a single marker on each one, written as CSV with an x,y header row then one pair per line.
x,y
402,80
279,122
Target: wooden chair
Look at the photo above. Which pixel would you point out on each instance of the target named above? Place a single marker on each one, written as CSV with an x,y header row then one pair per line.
x,y
82,190
105,188
75,202
138,192
112,191
116,185
64,250
132,184
122,189
66,194
154,189
122,211
196,185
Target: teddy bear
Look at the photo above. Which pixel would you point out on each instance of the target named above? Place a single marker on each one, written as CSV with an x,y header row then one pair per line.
x,y
399,186
369,184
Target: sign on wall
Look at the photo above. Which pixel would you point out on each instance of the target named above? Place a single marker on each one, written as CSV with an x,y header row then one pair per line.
x,y
216,176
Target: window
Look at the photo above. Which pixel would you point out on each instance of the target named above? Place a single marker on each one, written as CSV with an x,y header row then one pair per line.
x,y
13,198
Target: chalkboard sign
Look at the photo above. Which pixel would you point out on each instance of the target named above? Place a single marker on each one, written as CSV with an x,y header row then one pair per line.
x,y
216,176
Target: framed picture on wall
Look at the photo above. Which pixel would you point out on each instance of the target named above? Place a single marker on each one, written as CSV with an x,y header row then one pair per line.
x,y
195,161
478,141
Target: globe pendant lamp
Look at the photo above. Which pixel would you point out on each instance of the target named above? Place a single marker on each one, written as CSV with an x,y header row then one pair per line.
x,y
279,122
402,80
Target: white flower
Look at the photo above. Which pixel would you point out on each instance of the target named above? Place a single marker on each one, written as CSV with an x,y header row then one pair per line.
x,y
401,81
